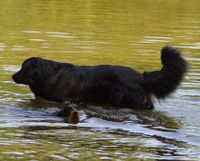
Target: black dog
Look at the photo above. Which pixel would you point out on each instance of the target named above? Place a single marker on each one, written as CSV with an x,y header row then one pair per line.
x,y
118,85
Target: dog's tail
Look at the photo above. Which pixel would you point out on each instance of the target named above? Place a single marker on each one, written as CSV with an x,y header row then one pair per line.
x,y
162,83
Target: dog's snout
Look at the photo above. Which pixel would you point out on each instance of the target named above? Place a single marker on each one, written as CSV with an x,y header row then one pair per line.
x,y
14,77
19,78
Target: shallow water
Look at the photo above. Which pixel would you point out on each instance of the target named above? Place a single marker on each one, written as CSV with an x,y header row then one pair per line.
x,y
92,32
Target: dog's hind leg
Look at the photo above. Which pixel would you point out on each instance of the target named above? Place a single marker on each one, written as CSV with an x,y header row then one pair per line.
x,y
127,96
148,103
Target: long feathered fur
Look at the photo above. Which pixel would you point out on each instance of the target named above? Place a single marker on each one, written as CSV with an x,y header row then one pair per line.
x,y
118,85
164,82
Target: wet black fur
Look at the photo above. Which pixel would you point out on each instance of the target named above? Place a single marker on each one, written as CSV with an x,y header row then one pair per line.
x,y
118,85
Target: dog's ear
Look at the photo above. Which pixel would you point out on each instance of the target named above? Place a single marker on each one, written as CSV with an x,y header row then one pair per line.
x,y
36,67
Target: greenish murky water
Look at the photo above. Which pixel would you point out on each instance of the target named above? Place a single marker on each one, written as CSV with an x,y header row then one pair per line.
x,y
90,32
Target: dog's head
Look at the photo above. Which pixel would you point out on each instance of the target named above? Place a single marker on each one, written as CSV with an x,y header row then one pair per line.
x,y
29,71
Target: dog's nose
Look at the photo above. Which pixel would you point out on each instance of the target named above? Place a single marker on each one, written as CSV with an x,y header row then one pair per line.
x,y
14,77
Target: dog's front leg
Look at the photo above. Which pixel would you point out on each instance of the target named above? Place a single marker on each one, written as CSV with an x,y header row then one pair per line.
x,y
70,113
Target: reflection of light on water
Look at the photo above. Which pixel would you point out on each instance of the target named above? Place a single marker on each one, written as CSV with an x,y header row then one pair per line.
x,y
59,157
188,92
18,117
2,46
31,32
62,36
195,45
18,47
37,40
57,33
194,59
11,68
21,48
155,39
13,152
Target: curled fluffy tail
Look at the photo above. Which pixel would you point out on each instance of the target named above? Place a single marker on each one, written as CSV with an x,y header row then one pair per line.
x,y
162,83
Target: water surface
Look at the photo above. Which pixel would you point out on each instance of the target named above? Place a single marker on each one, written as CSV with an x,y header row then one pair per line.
x,y
91,32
